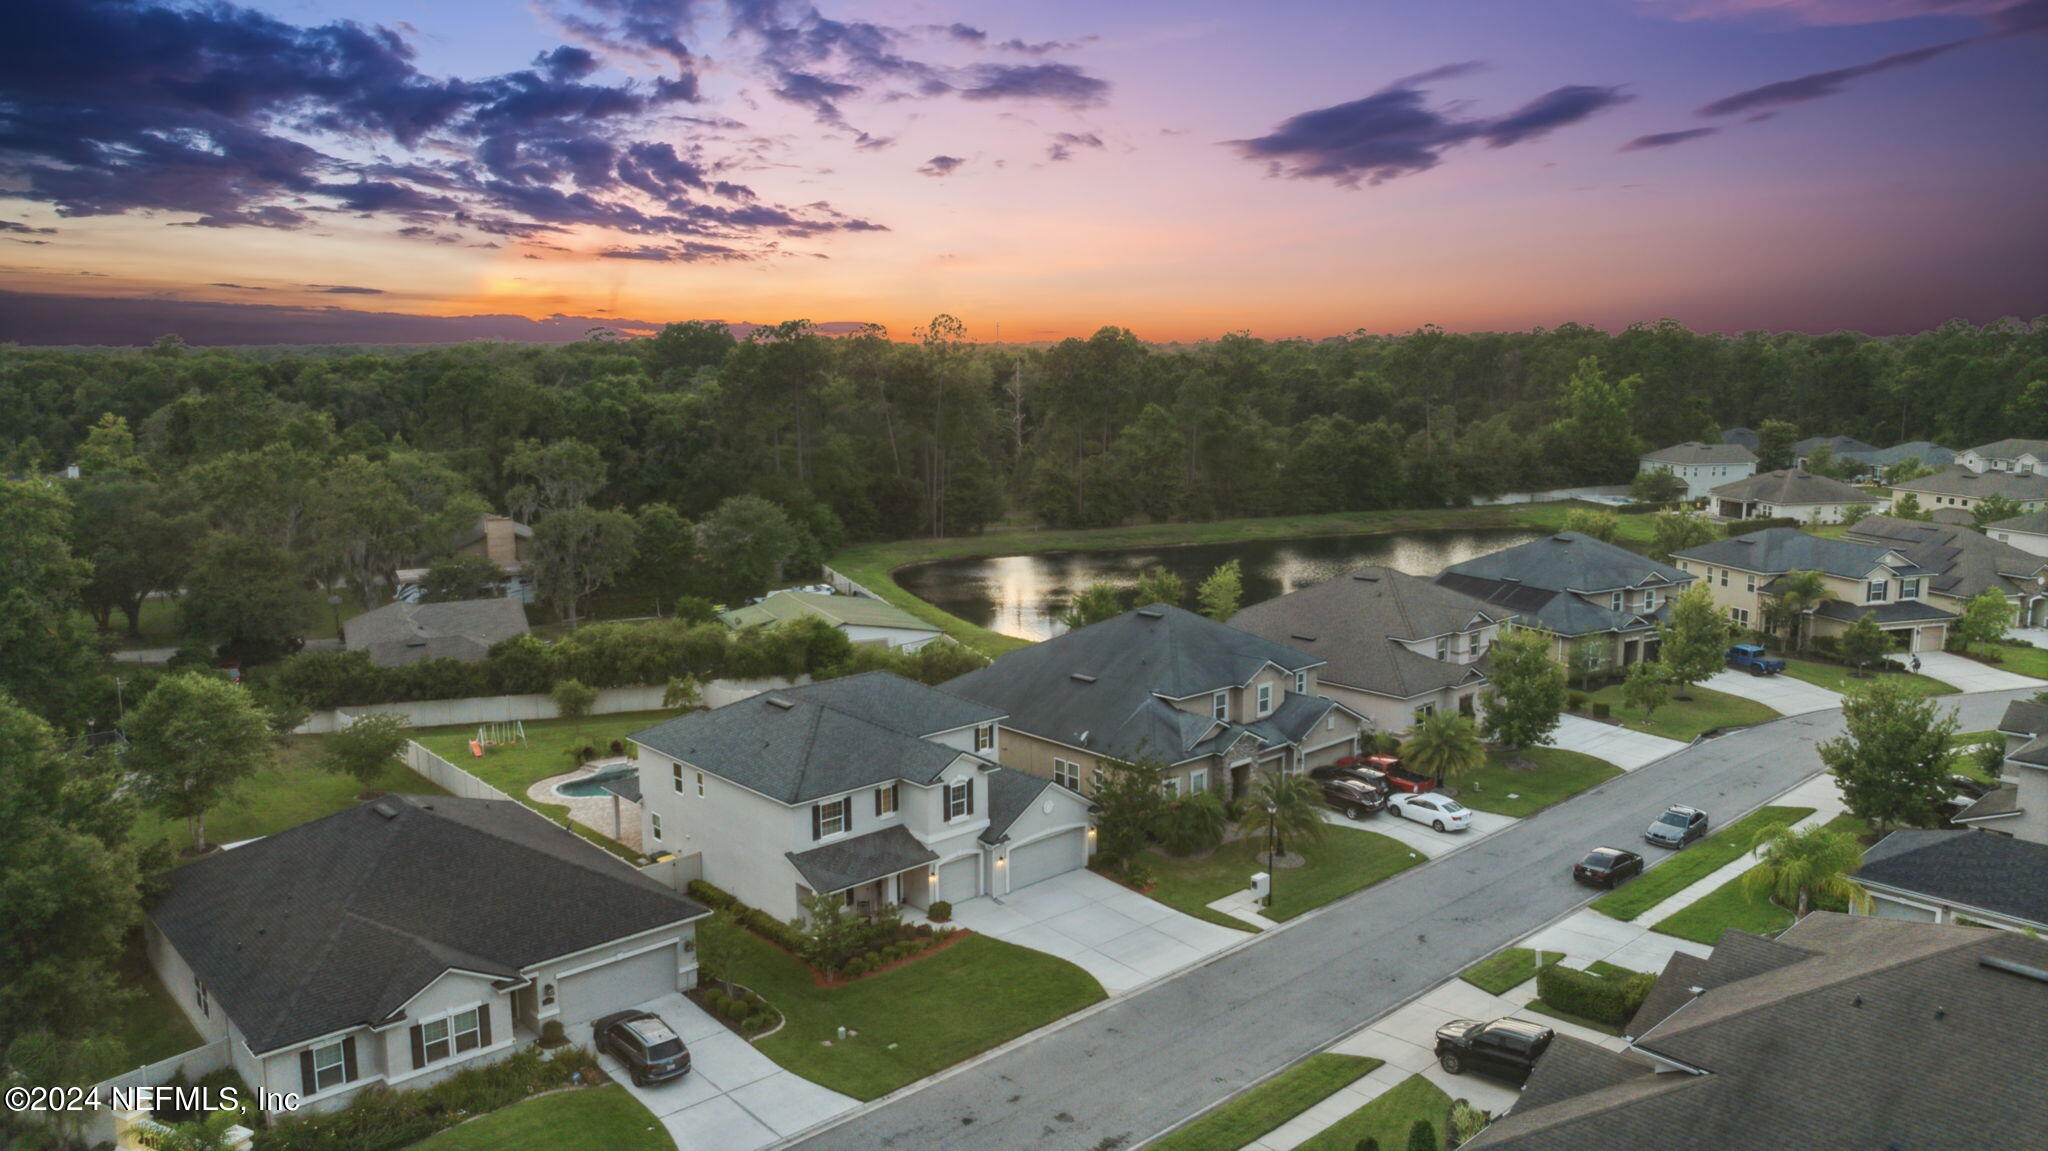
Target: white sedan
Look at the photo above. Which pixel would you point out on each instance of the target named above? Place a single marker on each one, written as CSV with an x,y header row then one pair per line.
x,y
1439,811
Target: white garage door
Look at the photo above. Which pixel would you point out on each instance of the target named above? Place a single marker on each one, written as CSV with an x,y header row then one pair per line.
x,y
960,879
1053,855
617,986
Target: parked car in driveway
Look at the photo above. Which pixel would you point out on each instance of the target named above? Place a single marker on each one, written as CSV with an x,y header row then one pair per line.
x,y
650,1049
1389,768
1353,769
1439,811
1608,867
1356,799
1678,826
1753,659
1505,1049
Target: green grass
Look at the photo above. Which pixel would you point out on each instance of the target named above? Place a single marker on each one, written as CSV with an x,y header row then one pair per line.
x,y
1267,1106
1731,906
606,1118
1837,678
1502,973
1559,775
1347,860
296,790
1388,1118
1694,863
1542,1008
159,622
1966,764
149,1027
1685,719
2014,658
915,1020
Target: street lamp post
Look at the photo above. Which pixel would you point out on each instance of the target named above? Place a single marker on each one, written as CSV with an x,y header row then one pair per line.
x,y
1272,858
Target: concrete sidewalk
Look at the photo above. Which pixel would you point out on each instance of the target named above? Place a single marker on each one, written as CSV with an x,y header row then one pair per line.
x,y
1784,694
1623,747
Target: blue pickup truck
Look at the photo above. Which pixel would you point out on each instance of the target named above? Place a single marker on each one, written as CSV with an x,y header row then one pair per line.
x,y
1751,658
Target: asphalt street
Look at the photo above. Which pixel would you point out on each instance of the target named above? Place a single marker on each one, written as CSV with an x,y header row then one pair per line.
x,y
1122,1074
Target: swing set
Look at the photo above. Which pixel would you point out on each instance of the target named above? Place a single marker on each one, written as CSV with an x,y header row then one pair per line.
x,y
490,735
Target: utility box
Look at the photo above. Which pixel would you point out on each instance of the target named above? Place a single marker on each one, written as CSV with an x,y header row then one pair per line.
x,y
1262,885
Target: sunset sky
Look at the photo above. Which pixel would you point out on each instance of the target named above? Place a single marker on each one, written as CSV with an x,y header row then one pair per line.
x,y
1182,168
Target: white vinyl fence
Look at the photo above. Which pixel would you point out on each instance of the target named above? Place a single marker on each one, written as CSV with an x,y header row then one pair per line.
x,y
100,1124
505,708
1554,495
447,776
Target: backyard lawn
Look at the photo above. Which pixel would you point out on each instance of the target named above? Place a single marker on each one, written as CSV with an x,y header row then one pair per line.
x,y
2015,658
297,790
1684,719
513,768
1348,859
1502,973
913,1020
1387,1119
1730,906
605,1118
149,1027
1265,1107
1966,764
1559,775
1687,867
1837,678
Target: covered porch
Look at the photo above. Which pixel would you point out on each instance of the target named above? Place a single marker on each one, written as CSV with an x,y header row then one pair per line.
x,y
870,871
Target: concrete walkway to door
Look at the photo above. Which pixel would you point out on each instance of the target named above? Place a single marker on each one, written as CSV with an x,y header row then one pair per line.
x,y
1120,937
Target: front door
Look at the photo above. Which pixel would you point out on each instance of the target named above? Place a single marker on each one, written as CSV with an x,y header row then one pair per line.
x,y
1240,779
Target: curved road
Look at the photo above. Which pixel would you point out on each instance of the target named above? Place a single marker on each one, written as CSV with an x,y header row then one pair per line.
x,y
1125,1072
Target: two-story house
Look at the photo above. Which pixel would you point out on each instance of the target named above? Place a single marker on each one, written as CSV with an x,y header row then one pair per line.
x,y
1396,647
1702,466
1589,594
1862,579
2018,806
2014,455
872,787
2028,533
1788,494
1214,703
1960,488
1966,564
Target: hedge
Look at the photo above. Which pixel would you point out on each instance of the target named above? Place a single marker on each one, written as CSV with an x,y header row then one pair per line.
x,y
381,1119
1612,1000
1743,527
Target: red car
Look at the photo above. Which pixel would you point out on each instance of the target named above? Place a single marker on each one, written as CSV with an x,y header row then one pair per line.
x,y
1389,766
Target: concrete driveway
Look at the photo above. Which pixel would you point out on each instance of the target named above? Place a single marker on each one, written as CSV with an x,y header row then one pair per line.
x,y
1426,840
1623,747
1120,937
1782,693
1966,674
734,1098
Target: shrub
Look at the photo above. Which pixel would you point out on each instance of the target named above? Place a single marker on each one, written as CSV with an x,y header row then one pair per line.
x,y
381,1119
1744,527
1422,1137
924,929
552,1034
1192,825
940,911
1576,701
858,966
1602,999
1827,645
1602,710
716,1001
761,1021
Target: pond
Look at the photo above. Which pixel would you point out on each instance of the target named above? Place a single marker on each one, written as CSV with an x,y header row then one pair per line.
x,y
1023,595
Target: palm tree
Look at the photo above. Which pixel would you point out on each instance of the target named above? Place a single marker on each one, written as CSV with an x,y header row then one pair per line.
x,y
1798,867
1445,745
1796,594
1283,807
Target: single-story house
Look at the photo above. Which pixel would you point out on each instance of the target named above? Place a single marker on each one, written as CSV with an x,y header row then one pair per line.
x,y
1843,1032
1959,487
404,633
2028,532
1396,647
1925,452
1214,702
2009,455
1584,591
1789,493
405,938
863,620
1975,878
1702,466
871,787
1863,579
1966,564
1847,450
500,539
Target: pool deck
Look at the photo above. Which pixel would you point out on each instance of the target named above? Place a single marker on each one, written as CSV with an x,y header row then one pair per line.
x,y
594,811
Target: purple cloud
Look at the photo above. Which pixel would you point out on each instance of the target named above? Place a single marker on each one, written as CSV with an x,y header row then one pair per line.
x,y
1816,85
1064,143
1667,139
940,166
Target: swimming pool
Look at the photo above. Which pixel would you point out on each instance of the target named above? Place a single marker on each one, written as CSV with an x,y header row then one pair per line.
x,y
593,785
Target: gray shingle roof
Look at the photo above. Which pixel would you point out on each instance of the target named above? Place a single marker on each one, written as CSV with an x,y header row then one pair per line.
x,y
1775,551
337,922
1967,562
1896,612
404,633
860,859
1998,803
2011,449
803,743
1747,437
1980,869
1571,561
1354,622
1100,687
838,610
1866,1038
2024,717
2032,523
2033,753
1930,454
1957,480
1694,452
1792,487
1010,794
1840,445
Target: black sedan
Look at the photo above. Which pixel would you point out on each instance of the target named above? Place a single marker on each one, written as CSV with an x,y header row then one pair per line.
x,y
1352,797
1608,867
651,1051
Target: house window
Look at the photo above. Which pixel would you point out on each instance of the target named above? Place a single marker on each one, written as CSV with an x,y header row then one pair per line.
x,y
1219,706
1874,591
199,997
700,785
1740,615
1265,699
654,824
984,737
885,800
1424,712
1749,581
468,1032
831,817
1066,774
1909,589
330,1066
1614,602
678,776
960,799
434,1044
1724,577
1443,647
1650,597
1198,781
1170,787
1301,683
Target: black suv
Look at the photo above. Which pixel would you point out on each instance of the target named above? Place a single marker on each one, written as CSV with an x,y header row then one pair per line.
x,y
1607,867
1504,1049
1355,798
1678,826
651,1051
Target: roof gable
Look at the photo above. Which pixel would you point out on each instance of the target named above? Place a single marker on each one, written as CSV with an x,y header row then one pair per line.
x,y
1570,561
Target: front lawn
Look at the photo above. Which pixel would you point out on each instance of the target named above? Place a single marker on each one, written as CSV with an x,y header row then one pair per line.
x,y
1730,906
514,767
1388,1119
1502,973
1703,858
1348,859
297,790
1686,719
1265,1107
1840,679
1559,775
2016,658
912,1021
605,1118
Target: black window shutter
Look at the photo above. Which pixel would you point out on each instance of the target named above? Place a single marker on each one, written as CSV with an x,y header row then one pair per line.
x,y
878,801
946,803
817,822
348,1060
419,1048
306,1071
846,814
969,785
483,1024
895,797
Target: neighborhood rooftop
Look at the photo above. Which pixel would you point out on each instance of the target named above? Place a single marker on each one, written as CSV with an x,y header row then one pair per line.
x,y
405,633
1961,482
1791,486
1694,452
1966,562
1570,561
1356,621
1976,869
855,610
1777,550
